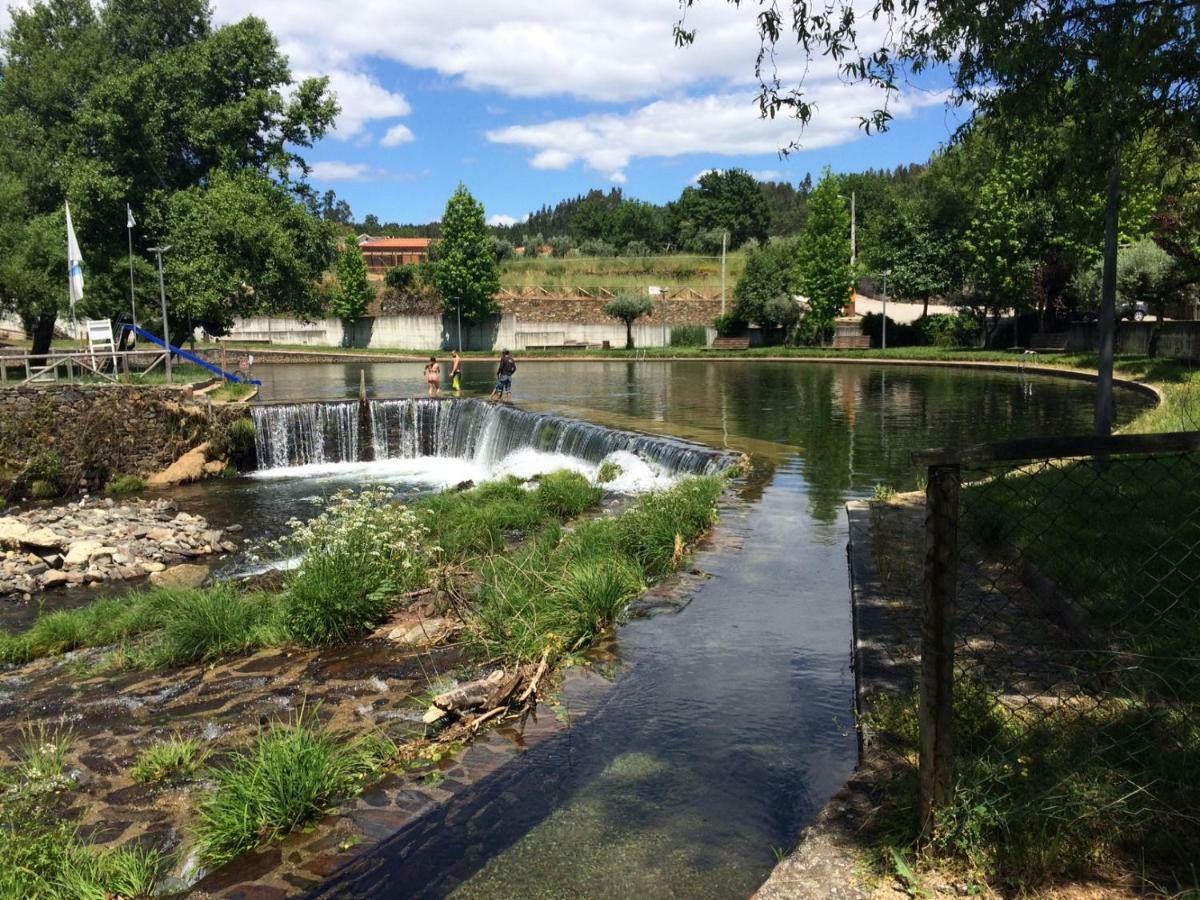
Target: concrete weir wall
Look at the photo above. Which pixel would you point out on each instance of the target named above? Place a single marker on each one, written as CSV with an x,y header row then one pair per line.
x,y
437,332
101,431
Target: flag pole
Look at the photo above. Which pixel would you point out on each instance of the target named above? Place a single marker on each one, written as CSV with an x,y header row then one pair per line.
x,y
129,229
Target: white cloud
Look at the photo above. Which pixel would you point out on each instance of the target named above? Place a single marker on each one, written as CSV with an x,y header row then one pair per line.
x,y
337,170
617,177
397,135
362,99
503,220
767,175
726,124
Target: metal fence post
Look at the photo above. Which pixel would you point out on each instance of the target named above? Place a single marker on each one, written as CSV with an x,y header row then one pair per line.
x,y
937,641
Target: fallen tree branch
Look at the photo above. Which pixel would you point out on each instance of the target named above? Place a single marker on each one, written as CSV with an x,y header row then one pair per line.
x,y
531,690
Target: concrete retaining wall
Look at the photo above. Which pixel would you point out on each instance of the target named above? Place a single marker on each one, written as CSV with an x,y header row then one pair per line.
x,y
433,332
1176,340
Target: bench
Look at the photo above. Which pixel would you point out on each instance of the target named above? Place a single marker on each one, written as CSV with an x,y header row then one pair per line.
x,y
730,343
851,342
1053,341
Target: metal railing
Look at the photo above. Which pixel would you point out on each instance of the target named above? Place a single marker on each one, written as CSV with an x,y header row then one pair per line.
x,y
1059,681
76,365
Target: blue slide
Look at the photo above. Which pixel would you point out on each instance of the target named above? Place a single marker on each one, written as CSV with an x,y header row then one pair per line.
x,y
190,357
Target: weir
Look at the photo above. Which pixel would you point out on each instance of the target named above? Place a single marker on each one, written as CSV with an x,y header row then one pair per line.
x,y
359,430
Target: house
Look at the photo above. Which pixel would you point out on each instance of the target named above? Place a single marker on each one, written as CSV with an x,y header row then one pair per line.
x,y
382,254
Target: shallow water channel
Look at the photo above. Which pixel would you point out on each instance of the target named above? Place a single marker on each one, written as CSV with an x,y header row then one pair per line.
x,y
730,722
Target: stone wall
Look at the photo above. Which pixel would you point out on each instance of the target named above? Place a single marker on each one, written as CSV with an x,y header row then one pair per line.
x,y
98,432
1176,340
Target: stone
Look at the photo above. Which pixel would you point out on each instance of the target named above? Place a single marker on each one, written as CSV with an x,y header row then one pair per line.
x,y
151,566
159,534
12,531
185,575
43,539
80,552
54,578
426,631
234,528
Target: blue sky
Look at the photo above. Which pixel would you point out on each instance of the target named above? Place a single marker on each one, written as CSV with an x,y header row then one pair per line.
x,y
529,102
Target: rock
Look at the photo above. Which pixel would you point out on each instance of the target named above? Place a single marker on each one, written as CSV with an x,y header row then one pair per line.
x,y
159,534
234,528
189,467
12,531
185,575
101,552
152,567
37,569
80,552
54,578
426,631
54,561
485,693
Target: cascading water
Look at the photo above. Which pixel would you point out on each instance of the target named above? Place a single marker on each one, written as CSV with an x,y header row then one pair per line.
x,y
304,434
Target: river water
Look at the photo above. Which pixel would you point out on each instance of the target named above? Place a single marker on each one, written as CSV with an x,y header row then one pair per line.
x,y
730,724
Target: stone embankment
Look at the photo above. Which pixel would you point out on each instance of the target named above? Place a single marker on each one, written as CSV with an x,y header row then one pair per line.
x,y
93,541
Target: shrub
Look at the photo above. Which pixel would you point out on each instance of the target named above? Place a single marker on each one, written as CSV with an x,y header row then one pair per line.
x,y
729,325
909,335
43,490
636,248
176,757
291,776
125,484
359,554
608,471
597,247
943,330
565,494
46,466
689,336
401,278
234,441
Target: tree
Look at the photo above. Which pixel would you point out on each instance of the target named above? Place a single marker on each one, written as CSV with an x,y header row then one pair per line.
x,y
770,272
135,102
335,210
628,308
728,199
353,292
824,274
467,275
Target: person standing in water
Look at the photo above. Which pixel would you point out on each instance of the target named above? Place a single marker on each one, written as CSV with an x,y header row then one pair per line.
x,y
456,373
504,374
433,377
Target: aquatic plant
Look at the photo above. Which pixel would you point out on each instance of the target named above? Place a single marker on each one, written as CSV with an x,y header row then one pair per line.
x,y
176,757
608,471
292,775
360,554
658,528
566,494
125,484
211,623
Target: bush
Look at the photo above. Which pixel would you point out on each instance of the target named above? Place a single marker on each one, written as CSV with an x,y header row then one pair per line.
x,y
125,484
636,248
234,441
566,494
910,335
608,471
43,490
359,555
689,336
597,247
46,475
401,278
729,325
291,776
962,330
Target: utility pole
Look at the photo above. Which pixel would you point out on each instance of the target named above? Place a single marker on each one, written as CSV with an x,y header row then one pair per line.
x,y
724,241
458,312
853,241
162,293
129,229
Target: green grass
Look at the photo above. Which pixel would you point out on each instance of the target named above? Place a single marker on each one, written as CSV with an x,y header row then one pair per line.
x,y
123,485
478,522
216,622
566,494
294,774
176,757
559,590
591,273
42,754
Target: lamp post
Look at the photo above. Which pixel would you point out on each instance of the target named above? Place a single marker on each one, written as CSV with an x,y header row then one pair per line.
x,y
724,242
162,293
886,273
458,313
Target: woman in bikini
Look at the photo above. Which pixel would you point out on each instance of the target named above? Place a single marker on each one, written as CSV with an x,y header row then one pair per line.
x,y
433,377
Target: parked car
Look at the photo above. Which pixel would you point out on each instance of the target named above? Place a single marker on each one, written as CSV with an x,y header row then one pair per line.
x,y
1135,311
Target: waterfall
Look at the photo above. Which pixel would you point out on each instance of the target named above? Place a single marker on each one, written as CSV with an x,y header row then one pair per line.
x,y
485,433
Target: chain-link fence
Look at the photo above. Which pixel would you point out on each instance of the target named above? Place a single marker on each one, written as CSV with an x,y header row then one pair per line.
x,y
1060,654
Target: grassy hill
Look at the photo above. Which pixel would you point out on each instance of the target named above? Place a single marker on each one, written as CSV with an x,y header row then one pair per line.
x,y
595,274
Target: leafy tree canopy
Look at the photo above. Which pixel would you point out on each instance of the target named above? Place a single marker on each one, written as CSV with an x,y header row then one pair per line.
x,y
728,199
628,308
467,275
824,274
353,292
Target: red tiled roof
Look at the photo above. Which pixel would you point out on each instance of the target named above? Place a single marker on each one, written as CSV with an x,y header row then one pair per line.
x,y
397,244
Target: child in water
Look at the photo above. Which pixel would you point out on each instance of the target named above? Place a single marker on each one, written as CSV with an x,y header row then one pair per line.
x,y
433,377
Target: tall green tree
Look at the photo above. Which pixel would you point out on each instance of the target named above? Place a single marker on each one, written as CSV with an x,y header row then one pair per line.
x,y
353,292
135,102
722,200
771,271
1116,69
824,273
628,308
467,275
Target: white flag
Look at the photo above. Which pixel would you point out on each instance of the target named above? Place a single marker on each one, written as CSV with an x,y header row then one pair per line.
x,y
129,223
74,264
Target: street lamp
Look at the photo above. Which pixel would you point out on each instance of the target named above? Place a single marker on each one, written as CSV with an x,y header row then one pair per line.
x,y
458,313
886,273
162,293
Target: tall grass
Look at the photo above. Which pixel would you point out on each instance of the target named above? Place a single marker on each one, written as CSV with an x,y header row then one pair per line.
x,y
559,590
176,757
292,775
208,624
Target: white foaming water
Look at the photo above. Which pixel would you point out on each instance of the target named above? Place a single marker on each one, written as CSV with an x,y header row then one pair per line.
x,y
440,472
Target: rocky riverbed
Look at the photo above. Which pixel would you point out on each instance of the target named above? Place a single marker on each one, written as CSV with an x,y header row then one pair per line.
x,y
97,540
